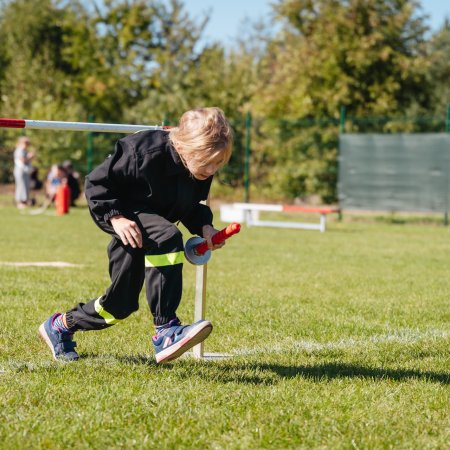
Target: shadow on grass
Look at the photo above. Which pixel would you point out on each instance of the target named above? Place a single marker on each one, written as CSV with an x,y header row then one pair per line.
x,y
340,370
233,371
272,373
130,360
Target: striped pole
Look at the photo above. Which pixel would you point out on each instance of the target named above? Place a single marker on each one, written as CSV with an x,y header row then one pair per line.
x,y
76,126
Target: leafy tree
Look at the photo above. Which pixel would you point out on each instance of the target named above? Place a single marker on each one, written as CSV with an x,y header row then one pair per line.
x,y
368,56
119,61
365,55
125,48
143,61
34,80
187,75
439,72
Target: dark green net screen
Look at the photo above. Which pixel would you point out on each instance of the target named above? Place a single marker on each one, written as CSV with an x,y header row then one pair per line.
x,y
394,172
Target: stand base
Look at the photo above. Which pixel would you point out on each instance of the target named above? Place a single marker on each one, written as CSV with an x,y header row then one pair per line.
x,y
209,356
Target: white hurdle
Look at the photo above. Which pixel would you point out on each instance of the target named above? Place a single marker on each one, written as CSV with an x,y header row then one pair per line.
x,y
201,271
250,213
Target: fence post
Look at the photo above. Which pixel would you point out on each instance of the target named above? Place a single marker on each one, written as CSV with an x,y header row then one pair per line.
x,y
447,129
342,119
447,122
248,130
343,113
90,146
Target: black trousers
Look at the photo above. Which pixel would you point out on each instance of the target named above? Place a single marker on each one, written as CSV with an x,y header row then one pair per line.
x,y
159,262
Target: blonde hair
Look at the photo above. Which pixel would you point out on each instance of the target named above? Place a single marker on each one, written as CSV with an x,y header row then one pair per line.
x,y
202,134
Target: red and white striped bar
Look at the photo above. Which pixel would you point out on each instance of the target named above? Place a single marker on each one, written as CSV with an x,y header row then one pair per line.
x,y
76,126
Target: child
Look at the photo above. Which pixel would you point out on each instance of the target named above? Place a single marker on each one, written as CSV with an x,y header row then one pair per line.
x,y
153,179
55,178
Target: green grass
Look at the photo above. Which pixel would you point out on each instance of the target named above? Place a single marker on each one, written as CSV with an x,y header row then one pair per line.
x,y
340,340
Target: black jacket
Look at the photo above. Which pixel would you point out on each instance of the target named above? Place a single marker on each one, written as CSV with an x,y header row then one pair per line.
x,y
145,173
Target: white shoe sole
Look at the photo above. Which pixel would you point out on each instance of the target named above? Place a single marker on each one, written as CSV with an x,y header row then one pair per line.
x,y
47,340
198,334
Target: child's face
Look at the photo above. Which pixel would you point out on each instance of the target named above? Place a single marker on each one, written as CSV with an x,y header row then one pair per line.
x,y
201,172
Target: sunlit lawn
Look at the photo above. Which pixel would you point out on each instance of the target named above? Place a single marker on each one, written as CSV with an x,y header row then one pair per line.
x,y
338,340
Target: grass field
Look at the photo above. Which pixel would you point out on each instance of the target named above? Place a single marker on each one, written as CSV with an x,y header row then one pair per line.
x,y
339,340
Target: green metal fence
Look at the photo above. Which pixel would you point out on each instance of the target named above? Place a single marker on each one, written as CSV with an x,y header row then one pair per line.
x,y
275,159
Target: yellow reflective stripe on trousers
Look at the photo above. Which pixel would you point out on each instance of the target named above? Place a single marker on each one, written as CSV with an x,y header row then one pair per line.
x,y
169,259
109,318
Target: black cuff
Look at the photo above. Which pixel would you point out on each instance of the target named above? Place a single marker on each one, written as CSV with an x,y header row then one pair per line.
x,y
112,213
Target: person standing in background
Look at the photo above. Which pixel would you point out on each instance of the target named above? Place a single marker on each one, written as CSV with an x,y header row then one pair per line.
x,y
22,169
73,180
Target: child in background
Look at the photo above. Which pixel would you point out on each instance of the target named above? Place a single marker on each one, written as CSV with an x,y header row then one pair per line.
x,y
55,178
153,179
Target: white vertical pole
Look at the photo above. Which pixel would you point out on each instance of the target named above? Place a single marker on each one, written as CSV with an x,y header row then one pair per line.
x,y
200,301
323,222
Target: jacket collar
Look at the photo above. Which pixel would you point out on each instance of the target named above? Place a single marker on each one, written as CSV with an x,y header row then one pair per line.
x,y
174,165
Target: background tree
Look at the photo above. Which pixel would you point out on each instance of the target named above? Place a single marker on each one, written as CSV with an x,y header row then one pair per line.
x,y
144,61
78,60
35,75
439,72
368,56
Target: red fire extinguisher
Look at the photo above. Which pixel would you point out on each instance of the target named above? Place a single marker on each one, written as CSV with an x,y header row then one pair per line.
x,y
62,199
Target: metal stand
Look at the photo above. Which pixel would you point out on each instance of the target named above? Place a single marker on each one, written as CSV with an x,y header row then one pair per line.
x,y
200,303
199,313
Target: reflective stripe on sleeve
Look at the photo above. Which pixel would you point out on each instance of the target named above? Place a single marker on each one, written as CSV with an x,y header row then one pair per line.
x,y
169,259
109,318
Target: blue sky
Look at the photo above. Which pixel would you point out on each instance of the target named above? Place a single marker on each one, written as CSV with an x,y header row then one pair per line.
x,y
227,16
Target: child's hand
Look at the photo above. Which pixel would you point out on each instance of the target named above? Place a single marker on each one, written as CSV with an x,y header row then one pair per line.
x,y
127,230
208,232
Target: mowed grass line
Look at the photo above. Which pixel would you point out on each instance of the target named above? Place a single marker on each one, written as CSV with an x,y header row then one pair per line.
x,y
339,340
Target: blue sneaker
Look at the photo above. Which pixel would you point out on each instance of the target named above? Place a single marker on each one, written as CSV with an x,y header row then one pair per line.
x,y
174,339
61,343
